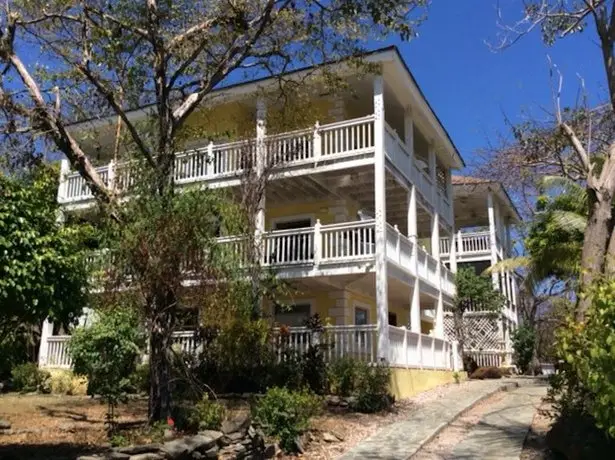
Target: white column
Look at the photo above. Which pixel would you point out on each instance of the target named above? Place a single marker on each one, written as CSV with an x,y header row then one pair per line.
x,y
452,253
435,235
261,163
43,350
492,242
382,301
439,324
415,297
432,173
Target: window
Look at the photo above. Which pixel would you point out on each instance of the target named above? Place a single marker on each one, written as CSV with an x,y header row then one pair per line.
x,y
392,319
361,316
294,316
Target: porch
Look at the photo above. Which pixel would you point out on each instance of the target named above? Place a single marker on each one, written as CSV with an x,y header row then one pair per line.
x,y
407,349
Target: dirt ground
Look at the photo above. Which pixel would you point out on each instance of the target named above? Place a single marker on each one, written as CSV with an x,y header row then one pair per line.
x,y
63,427
58,427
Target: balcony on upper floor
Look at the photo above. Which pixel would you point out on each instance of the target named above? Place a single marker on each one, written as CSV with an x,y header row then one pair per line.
x,y
347,248
318,149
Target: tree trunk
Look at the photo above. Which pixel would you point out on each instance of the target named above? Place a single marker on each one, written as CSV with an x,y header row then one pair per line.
x,y
162,323
595,243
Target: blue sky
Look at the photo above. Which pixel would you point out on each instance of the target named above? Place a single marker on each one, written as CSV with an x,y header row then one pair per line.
x,y
473,89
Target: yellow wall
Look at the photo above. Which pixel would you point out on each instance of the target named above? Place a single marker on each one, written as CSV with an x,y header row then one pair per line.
x,y
328,211
405,383
324,302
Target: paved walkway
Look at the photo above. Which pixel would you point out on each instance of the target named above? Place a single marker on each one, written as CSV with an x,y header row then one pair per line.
x,y
403,439
502,429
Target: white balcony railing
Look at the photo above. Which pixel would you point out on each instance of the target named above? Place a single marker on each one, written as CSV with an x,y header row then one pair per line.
x,y
470,243
332,141
406,348
219,161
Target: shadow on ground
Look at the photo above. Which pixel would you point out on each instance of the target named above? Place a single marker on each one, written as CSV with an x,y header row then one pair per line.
x,y
45,451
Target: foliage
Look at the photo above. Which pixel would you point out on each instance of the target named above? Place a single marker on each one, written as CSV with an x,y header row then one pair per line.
x,y
140,378
14,345
206,415
314,366
43,262
523,342
476,291
28,377
285,414
371,392
342,376
106,353
553,243
586,384
487,373
457,377
67,383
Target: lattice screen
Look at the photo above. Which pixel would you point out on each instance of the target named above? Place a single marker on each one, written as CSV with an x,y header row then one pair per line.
x,y
481,332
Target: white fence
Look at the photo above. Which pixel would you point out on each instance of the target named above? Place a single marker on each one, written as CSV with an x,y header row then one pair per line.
x,y
490,358
407,349
413,350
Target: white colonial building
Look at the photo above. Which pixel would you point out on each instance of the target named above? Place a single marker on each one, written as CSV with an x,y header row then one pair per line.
x,y
358,217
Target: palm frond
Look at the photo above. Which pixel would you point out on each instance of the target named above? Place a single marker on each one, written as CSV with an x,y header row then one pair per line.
x,y
509,264
568,220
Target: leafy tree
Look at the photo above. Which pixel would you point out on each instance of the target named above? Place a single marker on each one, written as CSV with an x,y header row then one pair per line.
x,y
42,262
106,353
578,143
474,292
106,58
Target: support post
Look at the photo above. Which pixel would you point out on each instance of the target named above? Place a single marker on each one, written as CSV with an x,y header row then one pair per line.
x,y
111,175
261,159
415,298
43,350
382,304
317,142
435,236
455,363
492,238
317,244
439,326
64,171
452,253
415,307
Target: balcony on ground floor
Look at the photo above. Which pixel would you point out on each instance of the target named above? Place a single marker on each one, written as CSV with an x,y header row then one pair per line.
x,y
336,146
406,349
336,249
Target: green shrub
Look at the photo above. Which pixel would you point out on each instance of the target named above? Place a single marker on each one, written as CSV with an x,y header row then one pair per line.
x,y
140,378
523,341
286,414
585,385
342,376
28,377
205,415
106,353
487,373
371,392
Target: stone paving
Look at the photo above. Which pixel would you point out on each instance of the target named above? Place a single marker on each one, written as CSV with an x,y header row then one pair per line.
x,y
403,439
502,429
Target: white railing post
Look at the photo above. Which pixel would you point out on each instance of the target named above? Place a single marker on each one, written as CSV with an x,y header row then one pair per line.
x,y
111,175
43,351
433,352
317,243
420,349
317,142
459,242
209,166
397,244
